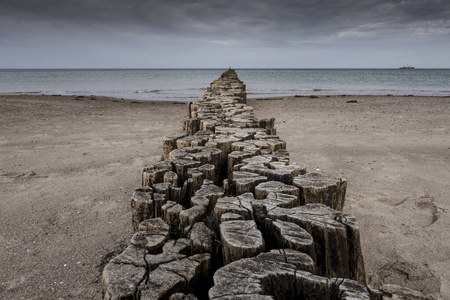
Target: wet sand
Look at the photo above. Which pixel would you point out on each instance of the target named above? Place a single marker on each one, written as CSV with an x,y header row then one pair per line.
x,y
68,166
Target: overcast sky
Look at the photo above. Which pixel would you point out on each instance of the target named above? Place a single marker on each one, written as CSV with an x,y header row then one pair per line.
x,y
210,33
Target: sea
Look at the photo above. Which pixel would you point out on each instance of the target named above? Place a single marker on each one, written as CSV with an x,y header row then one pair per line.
x,y
189,84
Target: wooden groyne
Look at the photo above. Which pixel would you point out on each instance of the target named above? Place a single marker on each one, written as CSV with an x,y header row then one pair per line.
x,y
226,215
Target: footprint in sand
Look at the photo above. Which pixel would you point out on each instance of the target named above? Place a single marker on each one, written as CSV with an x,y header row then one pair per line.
x,y
112,173
57,219
416,211
411,275
426,205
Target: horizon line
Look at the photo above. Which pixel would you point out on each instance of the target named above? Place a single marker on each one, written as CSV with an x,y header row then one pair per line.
x,y
219,68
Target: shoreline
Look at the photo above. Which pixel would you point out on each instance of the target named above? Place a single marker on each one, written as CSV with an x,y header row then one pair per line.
x,y
312,96
86,97
250,98
69,167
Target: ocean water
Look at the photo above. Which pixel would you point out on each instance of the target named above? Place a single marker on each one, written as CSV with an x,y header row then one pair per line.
x,y
189,84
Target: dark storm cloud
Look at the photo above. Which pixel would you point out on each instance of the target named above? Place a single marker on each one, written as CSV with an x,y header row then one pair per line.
x,y
161,27
254,19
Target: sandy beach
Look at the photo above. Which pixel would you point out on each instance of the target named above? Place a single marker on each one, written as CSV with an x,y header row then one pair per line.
x,y
68,167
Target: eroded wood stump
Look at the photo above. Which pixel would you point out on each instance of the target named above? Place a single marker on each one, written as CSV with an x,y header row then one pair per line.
x,y
245,182
279,277
171,212
202,238
318,188
155,173
232,205
287,235
240,239
170,142
142,206
263,189
336,239
152,235
176,276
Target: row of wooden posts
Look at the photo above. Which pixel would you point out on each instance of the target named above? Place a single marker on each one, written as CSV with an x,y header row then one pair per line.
x,y
226,215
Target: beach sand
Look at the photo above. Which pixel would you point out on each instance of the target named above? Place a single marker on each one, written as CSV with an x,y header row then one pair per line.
x,y
68,167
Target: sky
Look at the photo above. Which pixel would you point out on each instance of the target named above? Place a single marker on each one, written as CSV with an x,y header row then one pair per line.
x,y
218,34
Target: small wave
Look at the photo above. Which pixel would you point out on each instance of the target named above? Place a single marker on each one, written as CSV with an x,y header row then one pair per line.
x,y
196,89
25,93
185,97
147,91
263,93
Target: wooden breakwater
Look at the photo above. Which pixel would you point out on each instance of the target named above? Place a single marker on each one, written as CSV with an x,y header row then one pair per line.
x,y
226,215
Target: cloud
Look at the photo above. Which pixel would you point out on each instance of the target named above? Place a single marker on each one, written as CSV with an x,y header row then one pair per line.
x,y
217,17
209,25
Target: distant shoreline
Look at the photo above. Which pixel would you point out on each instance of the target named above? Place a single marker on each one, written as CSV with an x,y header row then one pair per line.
x,y
237,69
311,96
